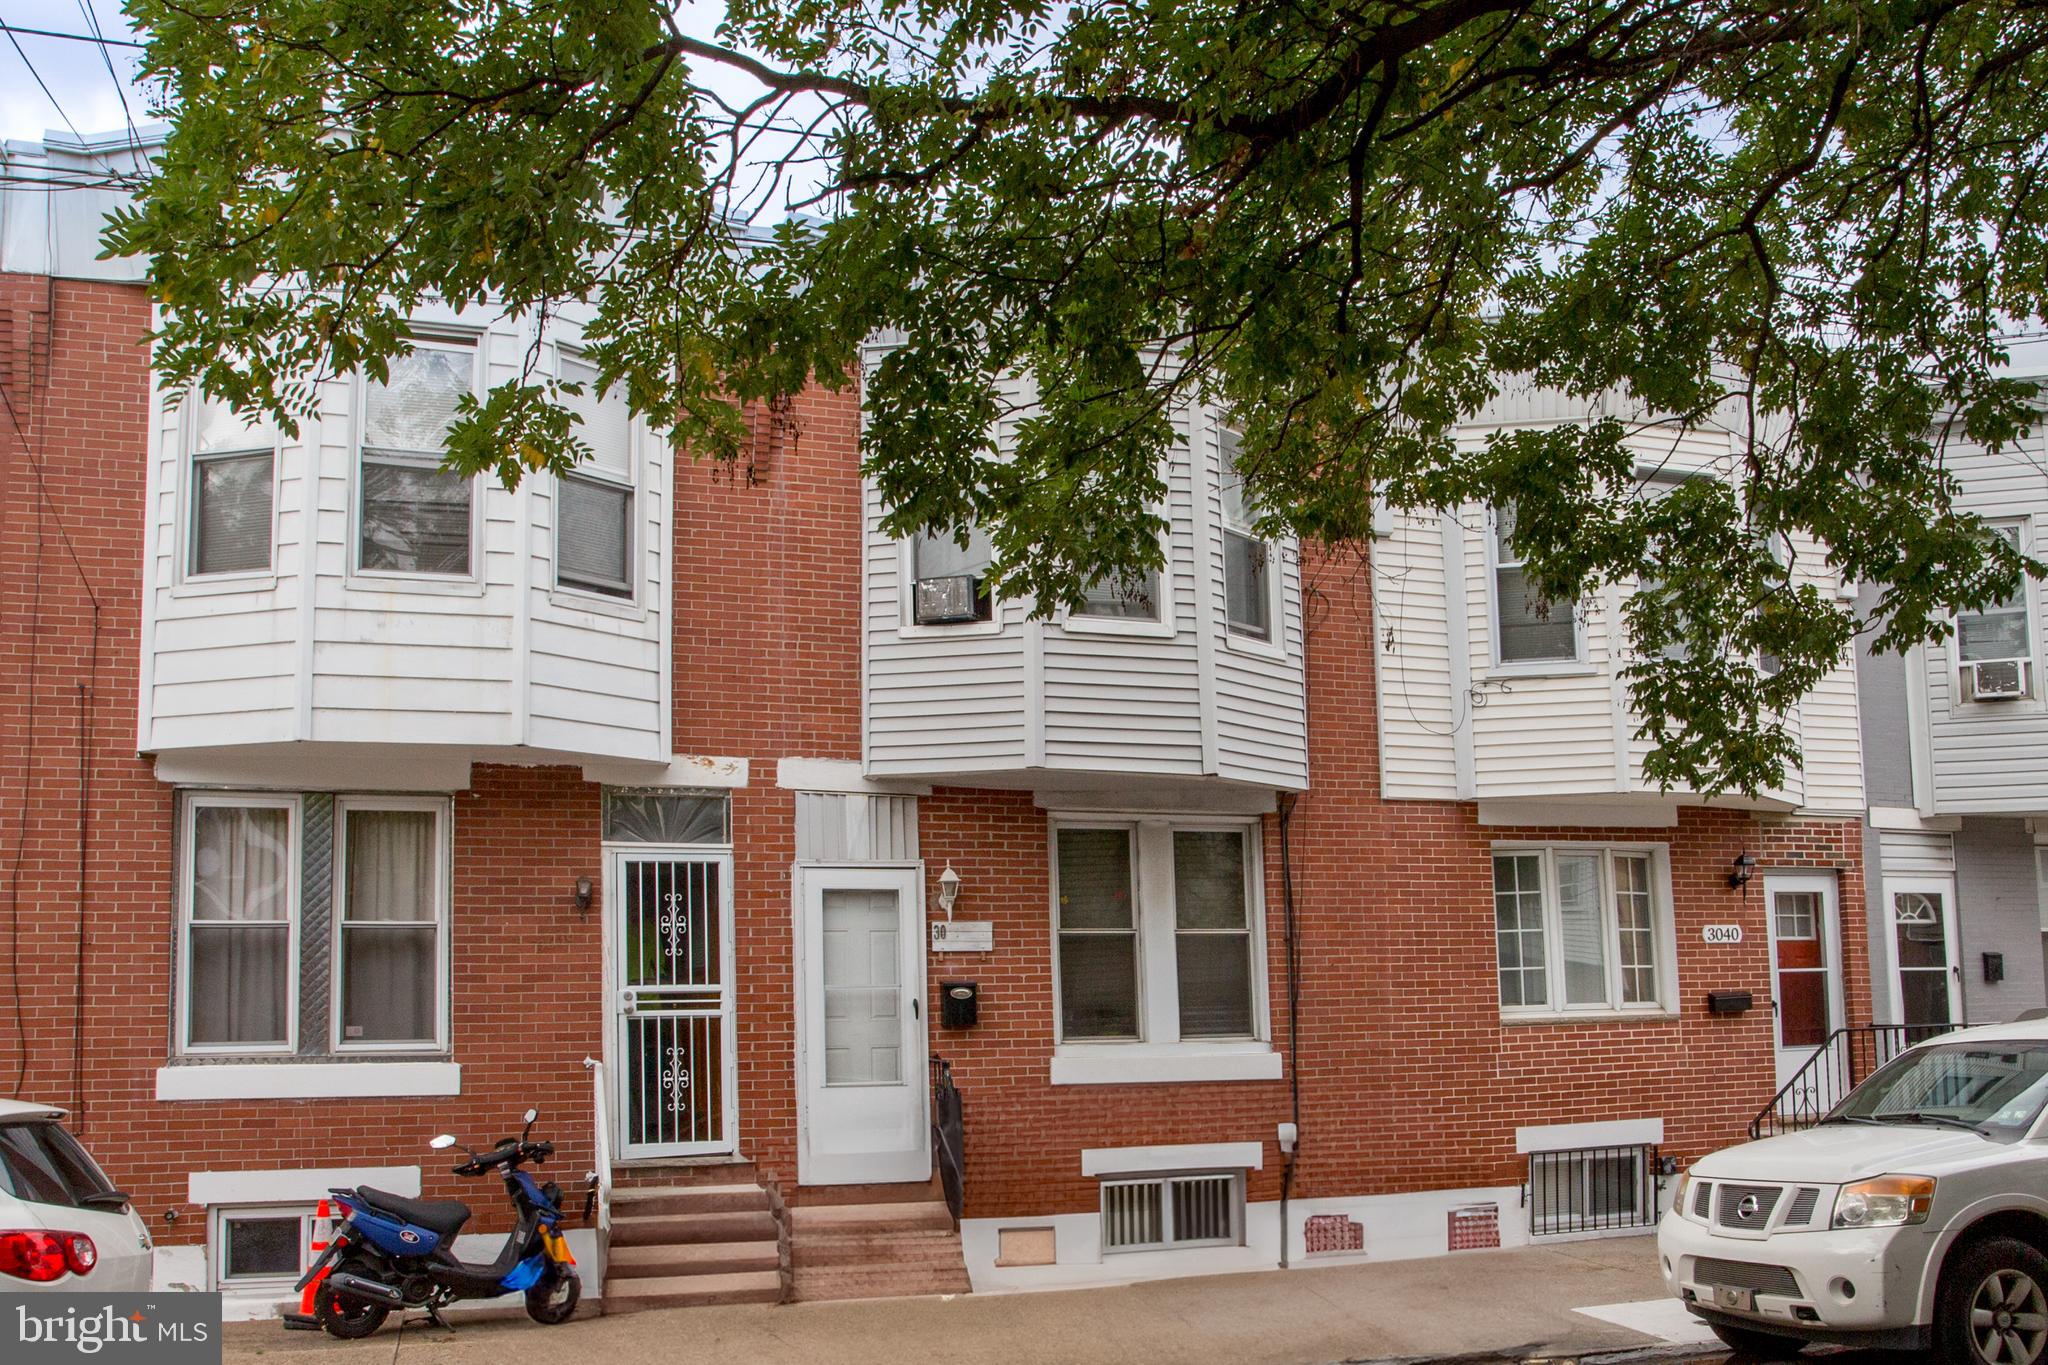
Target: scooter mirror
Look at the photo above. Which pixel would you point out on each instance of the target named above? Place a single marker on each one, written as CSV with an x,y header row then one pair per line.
x,y
532,1114
443,1142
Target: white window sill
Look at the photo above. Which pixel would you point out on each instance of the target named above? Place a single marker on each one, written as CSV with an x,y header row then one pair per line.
x,y
564,597
1525,672
1588,1016
216,585
1239,643
909,630
1183,1063
431,585
286,1080
1119,626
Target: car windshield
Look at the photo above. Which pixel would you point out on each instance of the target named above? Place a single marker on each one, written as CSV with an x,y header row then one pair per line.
x,y
1993,1088
43,1164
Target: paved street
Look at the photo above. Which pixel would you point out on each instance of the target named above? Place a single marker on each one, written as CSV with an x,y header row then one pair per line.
x,y
1513,1304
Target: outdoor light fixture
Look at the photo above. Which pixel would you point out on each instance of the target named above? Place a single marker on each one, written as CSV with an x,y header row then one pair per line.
x,y
1745,868
949,890
583,890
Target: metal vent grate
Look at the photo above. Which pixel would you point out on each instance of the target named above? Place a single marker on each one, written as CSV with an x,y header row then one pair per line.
x,y
1746,1207
1172,1211
1775,1280
1801,1212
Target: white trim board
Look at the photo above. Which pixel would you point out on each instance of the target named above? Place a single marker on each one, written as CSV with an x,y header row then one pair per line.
x,y
286,1080
1136,1064
304,1186
1187,1156
841,776
1558,1137
682,770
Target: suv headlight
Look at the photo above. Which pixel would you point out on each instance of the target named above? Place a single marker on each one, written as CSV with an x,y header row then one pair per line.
x,y
1888,1201
1678,1189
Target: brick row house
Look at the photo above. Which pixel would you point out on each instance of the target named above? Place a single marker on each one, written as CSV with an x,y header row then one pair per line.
x,y
1290,906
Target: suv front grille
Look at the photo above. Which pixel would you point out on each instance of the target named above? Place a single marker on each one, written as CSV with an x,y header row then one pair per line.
x,y
1702,1201
1775,1280
1731,1199
1801,1212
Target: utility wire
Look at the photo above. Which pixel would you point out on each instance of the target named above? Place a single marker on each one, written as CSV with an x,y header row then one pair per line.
x,y
98,38
92,21
47,92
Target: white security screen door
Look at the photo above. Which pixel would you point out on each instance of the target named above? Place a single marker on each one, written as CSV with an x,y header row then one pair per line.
x,y
865,1094
675,1064
1806,967
1927,987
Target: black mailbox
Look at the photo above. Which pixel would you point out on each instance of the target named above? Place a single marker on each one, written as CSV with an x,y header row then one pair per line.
x,y
1994,968
959,1004
1729,1002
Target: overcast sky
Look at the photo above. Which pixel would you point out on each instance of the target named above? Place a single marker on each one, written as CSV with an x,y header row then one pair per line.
x,y
86,92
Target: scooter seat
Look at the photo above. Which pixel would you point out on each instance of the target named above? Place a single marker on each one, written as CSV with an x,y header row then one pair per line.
x,y
442,1216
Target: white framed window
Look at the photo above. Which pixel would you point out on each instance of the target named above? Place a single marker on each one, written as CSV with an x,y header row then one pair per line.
x,y
596,506
946,584
1597,1189
238,924
1526,628
1160,1212
257,1247
1582,928
414,518
1250,570
391,897
231,491
1995,646
1112,599
1158,932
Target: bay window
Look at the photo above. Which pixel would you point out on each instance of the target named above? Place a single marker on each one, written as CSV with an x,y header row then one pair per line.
x,y
233,488
413,516
1580,928
1157,926
594,516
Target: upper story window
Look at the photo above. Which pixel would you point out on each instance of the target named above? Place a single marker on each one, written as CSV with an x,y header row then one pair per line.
x,y
1995,646
1529,629
413,516
1247,560
949,582
1122,599
249,964
1158,932
594,517
1579,928
233,490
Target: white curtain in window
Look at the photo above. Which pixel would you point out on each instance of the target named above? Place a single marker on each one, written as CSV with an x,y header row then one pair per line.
x,y
1584,936
390,929
239,956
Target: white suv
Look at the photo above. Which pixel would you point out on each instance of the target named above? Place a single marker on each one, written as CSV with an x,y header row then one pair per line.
x,y
1914,1216
63,1226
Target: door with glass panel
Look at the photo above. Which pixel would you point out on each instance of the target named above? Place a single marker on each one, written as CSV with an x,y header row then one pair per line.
x,y
675,1088
1806,974
865,1099
1926,985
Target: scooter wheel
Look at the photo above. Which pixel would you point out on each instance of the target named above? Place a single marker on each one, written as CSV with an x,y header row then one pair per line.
x,y
345,1316
553,1298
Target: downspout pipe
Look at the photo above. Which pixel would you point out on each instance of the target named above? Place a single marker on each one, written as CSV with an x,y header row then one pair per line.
x,y
1293,955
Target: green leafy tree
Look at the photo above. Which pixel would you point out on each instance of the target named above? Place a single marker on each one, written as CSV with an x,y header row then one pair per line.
x,y
1351,221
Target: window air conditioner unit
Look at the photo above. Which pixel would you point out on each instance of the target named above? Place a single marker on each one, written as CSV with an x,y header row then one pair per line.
x,y
1997,679
944,601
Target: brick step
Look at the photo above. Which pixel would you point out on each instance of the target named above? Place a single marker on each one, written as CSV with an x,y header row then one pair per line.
x,y
677,1175
900,1192
878,1283
689,1199
666,1229
814,1220
836,1251
691,1258
691,1291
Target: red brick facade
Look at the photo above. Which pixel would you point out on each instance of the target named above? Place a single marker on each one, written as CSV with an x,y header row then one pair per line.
x,y
1408,1077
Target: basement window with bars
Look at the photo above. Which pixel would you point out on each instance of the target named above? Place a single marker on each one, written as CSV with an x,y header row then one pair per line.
x,y
1165,1212
1592,1189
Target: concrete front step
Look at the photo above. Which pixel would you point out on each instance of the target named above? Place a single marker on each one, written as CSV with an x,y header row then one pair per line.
x,y
878,1282
814,1220
668,1229
910,1249
691,1258
691,1291
689,1199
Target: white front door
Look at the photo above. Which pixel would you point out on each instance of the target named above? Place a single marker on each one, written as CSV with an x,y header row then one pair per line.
x,y
675,1071
1806,968
864,1096
1926,981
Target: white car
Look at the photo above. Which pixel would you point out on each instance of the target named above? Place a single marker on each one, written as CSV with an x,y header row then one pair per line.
x,y
1914,1216
63,1226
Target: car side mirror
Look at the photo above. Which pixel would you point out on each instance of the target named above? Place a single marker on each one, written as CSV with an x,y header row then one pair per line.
x,y
443,1142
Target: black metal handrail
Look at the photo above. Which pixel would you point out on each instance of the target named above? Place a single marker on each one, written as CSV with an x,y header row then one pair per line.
x,y
948,1122
1836,1067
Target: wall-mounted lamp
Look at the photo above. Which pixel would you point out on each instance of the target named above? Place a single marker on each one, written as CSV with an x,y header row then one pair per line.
x,y
949,890
1745,868
583,891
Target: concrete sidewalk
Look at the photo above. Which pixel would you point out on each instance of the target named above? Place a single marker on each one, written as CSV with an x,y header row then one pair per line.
x,y
1515,1303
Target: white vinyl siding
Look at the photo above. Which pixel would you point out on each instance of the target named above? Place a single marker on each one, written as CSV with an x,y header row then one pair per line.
x,y
1581,928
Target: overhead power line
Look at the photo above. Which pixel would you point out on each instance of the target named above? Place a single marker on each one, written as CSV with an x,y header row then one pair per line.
x,y
98,40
